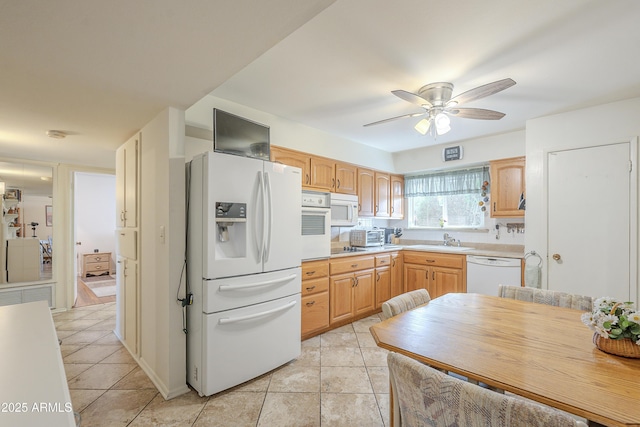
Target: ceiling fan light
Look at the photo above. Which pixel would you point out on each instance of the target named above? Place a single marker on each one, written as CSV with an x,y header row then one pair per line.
x,y
442,122
423,126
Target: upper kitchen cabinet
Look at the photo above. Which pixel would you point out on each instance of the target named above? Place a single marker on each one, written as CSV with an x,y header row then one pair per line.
x,y
366,186
346,178
397,196
319,173
383,194
507,186
293,158
127,182
323,174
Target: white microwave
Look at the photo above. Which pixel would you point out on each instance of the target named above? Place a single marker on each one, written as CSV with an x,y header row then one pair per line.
x,y
344,210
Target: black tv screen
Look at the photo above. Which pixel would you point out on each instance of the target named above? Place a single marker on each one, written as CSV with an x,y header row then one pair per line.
x,y
236,135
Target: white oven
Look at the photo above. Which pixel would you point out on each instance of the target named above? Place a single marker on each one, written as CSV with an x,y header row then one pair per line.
x,y
344,210
316,225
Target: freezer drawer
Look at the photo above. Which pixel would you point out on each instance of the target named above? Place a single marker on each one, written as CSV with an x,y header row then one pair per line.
x,y
234,292
241,344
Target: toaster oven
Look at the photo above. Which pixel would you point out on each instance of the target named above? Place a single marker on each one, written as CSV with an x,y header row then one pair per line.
x,y
363,238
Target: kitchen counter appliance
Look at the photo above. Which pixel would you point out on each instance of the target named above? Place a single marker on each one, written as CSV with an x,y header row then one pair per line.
x,y
484,274
244,269
316,225
365,238
344,210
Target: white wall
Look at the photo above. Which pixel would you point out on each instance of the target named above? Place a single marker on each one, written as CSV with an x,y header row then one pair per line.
x,y
95,225
33,210
162,340
289,134
603,124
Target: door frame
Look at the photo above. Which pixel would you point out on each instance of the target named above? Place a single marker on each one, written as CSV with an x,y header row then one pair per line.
x,y
633,210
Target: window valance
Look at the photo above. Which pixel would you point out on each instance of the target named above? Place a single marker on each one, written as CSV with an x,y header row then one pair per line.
x,y
446,183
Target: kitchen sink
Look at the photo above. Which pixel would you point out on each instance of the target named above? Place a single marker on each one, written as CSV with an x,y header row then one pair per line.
x,y
440,248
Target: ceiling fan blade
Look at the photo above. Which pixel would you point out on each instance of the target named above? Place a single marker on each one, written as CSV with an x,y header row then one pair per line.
x,y
412,98
481,91
395,118
475,113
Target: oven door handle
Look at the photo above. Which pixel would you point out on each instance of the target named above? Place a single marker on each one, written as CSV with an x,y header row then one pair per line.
x,y
223,288
227,320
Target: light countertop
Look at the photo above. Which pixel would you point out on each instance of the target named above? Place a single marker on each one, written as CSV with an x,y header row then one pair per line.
x,y
501,251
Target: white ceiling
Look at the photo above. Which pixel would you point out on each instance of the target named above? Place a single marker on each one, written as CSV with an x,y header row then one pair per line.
x,y
102,70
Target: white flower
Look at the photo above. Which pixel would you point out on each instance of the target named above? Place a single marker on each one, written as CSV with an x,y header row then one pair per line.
x,y
634,317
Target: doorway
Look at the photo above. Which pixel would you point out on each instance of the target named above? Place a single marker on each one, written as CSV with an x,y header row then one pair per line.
x,y
592,217
94,237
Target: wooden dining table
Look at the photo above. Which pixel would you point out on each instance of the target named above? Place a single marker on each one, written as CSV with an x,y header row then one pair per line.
x,y
537,351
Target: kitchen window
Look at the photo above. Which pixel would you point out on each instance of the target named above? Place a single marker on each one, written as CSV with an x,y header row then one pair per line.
x,y
452,199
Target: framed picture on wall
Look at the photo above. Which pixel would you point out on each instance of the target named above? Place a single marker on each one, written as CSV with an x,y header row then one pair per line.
x,y
48,214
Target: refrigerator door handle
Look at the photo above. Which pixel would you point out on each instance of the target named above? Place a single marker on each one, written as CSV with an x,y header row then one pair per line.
x,y
269,216
227,320
259,221
257,284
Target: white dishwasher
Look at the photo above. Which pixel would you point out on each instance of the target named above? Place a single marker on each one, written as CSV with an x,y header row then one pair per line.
x,y
484,274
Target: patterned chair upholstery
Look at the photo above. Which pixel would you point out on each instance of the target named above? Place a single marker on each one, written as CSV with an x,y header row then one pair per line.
x,y
422,396
407,301
543,296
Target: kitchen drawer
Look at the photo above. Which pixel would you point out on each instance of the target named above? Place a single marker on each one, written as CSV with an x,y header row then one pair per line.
x,y
350,264
434,259
314,286
315,313
315,269
383,260
97,267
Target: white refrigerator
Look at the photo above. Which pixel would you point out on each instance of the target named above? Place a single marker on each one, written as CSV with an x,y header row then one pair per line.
x,y
243,263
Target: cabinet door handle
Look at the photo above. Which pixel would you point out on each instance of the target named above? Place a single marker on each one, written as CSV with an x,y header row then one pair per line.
x,y
309,273
338,186
353,282
433,276
310,303
310,288
307,178
431,260
354,265
377,277
494,206
356,281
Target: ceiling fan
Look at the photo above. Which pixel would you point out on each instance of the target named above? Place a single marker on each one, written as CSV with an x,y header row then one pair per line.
x,y
438,105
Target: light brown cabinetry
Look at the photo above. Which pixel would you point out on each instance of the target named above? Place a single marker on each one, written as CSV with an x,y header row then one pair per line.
x,y
351,288
383,278
319,173
397,274
366,195
397,196
507,184
437,273
315,297
382,194
96,264
346,178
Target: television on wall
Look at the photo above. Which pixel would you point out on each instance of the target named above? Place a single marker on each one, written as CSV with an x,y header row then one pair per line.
x,y
236,135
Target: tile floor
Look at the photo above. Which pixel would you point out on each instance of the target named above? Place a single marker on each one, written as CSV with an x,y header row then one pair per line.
x,y
340,379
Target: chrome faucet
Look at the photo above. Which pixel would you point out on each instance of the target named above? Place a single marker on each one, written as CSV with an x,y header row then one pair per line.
x,y
449,240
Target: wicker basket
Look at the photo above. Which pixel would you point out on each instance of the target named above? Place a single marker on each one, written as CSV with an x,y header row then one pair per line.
x,y
623,347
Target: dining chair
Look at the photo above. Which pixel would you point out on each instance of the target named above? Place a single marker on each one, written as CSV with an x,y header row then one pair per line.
x,y
423,396
548,297
403,302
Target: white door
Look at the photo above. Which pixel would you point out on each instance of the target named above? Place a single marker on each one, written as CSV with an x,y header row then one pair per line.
x,y
233,180
283,248
591,195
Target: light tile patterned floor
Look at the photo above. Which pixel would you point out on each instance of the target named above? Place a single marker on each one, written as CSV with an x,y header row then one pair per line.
x,y
340,379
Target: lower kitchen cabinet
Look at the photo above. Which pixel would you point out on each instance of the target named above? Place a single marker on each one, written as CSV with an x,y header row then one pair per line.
x,y
438,273
315,297
383,278
351,288
397,274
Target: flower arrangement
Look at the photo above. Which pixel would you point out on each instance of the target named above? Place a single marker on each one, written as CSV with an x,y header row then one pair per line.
x,y
614,320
